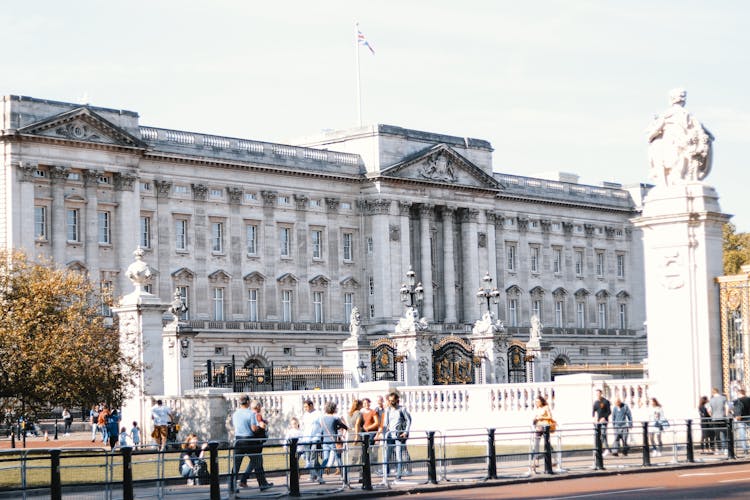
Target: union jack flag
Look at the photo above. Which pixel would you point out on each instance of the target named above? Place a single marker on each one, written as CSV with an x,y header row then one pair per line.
x,y
362,40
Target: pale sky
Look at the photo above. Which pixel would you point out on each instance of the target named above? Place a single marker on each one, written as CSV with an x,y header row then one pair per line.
x,y
553,85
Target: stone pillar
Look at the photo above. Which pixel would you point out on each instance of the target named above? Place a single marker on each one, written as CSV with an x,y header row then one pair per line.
x,y
177,345
491,249
425,271
470,256
201,235
90,226
380,210
58,219
404,211
140,315
682,245
237,253
24,204
414,344
356,350
164,225
449,274
489,341
271,256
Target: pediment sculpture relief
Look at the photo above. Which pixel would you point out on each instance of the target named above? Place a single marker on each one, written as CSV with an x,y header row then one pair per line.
x,y
438,167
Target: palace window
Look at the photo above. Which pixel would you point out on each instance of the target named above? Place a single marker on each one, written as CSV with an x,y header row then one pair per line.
x,y
348,305
347,242
105,231
513,312
620,265
181,234
557,260
317,243
536,308
622,316
600,263
217,237
106,298
579,262
286,305
318,307
534,259
145,231
74,225
252,238
601,312
580,315
40,223
510,254
182,291
371,285
252,304
218,301
559,313
285,243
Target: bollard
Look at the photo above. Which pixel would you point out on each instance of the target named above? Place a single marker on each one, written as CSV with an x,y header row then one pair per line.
x,y
366,466
55,438
646,452
689,441
431,461
598,456
730,439
127,473
548,451
213,470
293,468
491,455
12,437
55,492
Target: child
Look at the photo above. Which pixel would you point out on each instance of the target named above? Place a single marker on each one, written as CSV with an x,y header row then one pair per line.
x,y
123,437
294,431
135,435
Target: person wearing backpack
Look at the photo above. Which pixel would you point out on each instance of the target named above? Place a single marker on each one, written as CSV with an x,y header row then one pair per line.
x,y
396,426
192,464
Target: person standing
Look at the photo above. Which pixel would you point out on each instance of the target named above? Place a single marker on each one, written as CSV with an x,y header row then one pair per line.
x,y
312,435
622,422
249,434
656,426
542,421
601,412
370,421
94,421
707,431
67,421
354,435
718,406
396,426
135,435
102,422
741,410
113,428
331,424
161,416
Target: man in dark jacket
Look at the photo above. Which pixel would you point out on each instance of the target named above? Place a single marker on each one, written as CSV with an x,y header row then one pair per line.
x,y
601,412
741,410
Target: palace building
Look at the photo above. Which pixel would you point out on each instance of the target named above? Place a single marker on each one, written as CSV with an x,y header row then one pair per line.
x,y
272,245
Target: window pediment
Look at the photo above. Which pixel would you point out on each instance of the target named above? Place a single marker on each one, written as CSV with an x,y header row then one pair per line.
x,y
219,276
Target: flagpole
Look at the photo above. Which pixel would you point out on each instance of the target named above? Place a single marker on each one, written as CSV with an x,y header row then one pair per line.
x,y
359,85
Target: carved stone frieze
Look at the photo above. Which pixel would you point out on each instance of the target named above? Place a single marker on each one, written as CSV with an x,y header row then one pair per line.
x,y
438,167
379,206
332,204
200,191
235,195
394,231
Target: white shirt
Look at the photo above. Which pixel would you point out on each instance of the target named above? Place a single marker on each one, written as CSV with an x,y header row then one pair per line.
x,y
308,420
160,414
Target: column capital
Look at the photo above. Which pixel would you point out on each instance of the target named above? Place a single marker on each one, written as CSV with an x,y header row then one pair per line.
x,y
26,170
523,223
332,204
567,227
546,224
300,201
404,208
125,181
269,198
200,191
468,215
90,177
235,195
379,206
57,173
162,188
426,210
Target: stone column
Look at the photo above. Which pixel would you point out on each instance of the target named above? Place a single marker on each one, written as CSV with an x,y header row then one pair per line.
x,y
125,220
201,235
682,246
425,272
177,346
404,211
414,344
164,227
356,350
236,234
380,211
491,249
90,226
24,205
58,221
449,279
470,256
270,256
490,342
140,314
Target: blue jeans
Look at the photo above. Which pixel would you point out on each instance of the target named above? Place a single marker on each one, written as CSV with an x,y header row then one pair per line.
x,y
330,456
312,458
394,447
741,426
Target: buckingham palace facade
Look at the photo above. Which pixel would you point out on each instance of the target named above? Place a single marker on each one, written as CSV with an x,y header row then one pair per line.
x,y
272,245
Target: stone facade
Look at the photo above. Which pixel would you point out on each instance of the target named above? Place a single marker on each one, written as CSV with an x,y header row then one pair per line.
x,y
271,245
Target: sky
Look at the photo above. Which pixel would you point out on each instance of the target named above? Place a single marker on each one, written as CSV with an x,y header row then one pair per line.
x,y
554,85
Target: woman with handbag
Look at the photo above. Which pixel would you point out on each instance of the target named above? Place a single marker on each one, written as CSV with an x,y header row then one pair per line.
x,y
656,425
330,423
542,421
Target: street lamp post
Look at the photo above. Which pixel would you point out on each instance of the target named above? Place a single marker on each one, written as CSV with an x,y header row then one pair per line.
x,y
488,293
411,295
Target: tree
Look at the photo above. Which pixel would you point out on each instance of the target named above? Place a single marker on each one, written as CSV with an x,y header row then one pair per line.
x,y
736,249
54,347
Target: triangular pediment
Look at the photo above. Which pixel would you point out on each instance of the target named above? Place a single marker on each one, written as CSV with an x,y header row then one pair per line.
x,y
443,165
82,124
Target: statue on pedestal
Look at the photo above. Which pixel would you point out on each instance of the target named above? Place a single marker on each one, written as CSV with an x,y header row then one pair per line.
x,y
680,147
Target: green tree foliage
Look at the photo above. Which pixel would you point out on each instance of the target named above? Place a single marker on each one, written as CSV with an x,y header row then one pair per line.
x,y
736,249
54,347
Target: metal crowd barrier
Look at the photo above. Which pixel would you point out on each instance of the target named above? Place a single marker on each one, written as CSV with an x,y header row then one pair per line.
x,y
428,457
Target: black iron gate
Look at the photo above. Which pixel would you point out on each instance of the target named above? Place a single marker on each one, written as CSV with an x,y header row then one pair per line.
x,y
516,364
453,362
384,360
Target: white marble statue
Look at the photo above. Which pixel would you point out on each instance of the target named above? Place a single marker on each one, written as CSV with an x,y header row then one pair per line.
x,y
680,147
140,273
535,333
356,330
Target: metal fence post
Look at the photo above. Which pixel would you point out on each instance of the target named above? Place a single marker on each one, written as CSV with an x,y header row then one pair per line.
x,y
598,456
127,473
730,439
431,461
209,373
689,441
55,492
213,470
645,451
55,429
491,455
12,437
293,468
548,451
366,463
